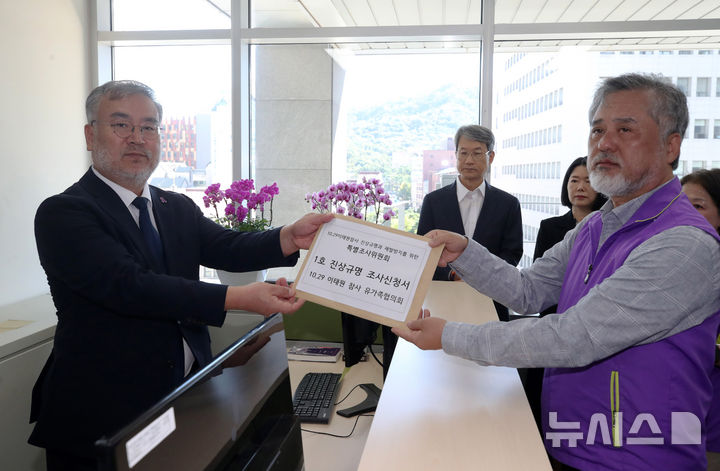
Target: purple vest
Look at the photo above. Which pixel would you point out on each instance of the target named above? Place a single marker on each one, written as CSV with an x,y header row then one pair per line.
x,y
713,417
660,392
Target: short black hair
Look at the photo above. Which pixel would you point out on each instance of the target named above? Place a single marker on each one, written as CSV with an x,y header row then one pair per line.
x,y
600,199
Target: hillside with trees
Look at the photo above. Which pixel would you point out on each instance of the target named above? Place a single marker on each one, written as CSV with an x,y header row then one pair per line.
x,y
406,125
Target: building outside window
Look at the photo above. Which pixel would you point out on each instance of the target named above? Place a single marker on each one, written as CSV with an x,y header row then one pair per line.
x,y
701,129
703,87
683,84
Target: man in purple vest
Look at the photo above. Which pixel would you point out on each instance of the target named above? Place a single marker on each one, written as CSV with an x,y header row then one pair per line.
x,y
629,354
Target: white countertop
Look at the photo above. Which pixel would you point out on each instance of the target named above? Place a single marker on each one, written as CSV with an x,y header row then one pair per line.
x,y
39,312
443,412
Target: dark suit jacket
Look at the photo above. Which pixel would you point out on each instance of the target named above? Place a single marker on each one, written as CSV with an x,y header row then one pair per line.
x,y
552,231
118,342
499,225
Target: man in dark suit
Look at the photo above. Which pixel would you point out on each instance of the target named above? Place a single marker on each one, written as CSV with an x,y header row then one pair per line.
x,y
472,207
124,275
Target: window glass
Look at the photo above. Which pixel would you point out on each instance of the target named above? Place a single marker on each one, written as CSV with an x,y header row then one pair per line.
x,y
703,87
716,129
393,117
683,84
149,15
701,129
698,165
521,137
197,139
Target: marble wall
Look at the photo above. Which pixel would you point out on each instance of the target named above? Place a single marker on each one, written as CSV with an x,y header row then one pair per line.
x,y
293,124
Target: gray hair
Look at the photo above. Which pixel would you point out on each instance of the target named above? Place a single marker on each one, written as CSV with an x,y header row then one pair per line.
x,y
669,108
116,90
478,133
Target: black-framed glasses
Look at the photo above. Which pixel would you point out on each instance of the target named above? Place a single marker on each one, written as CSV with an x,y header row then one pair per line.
x,y
463,154
123,129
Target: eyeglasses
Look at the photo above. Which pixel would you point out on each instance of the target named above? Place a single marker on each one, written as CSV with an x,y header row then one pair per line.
x,y
463,154
123,129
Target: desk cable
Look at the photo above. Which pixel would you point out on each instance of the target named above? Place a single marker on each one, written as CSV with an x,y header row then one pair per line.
x,y
375,356
354,425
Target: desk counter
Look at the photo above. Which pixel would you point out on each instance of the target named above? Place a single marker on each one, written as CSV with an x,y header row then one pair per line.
x,y
39,319
25,344
441,412
332,453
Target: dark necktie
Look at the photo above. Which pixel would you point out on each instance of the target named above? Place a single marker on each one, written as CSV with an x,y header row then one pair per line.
x,y
150,234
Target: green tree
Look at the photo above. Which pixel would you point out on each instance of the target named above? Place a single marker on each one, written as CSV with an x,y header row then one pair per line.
x,y
404,192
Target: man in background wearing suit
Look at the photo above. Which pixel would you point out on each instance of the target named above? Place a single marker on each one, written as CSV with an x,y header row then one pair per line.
x,y
472,207
122,260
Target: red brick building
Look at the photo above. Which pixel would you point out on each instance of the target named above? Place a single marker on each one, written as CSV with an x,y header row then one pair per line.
x,y
179,142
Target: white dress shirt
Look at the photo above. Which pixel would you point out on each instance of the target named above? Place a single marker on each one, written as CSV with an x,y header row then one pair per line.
x,y
127,198
470,205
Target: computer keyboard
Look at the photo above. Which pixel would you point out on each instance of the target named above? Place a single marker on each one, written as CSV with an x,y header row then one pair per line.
x,y
314,398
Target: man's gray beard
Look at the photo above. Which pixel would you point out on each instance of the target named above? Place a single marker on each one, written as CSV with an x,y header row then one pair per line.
x,y
608,185
103,164
616,185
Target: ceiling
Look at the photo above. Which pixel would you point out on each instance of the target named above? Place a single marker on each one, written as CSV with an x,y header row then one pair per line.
x,y
552,11
604,24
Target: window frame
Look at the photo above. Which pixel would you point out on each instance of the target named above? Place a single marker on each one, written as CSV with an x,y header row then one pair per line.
x,y
242,35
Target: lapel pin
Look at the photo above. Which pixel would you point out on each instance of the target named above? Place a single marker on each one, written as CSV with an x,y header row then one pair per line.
x,y
163,200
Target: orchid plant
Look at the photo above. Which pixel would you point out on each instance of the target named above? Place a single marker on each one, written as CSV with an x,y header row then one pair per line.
x,y
244,208
359,200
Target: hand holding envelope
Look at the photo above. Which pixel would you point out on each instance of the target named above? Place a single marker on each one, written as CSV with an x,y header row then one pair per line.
x,y
453,244
425,331
375,272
